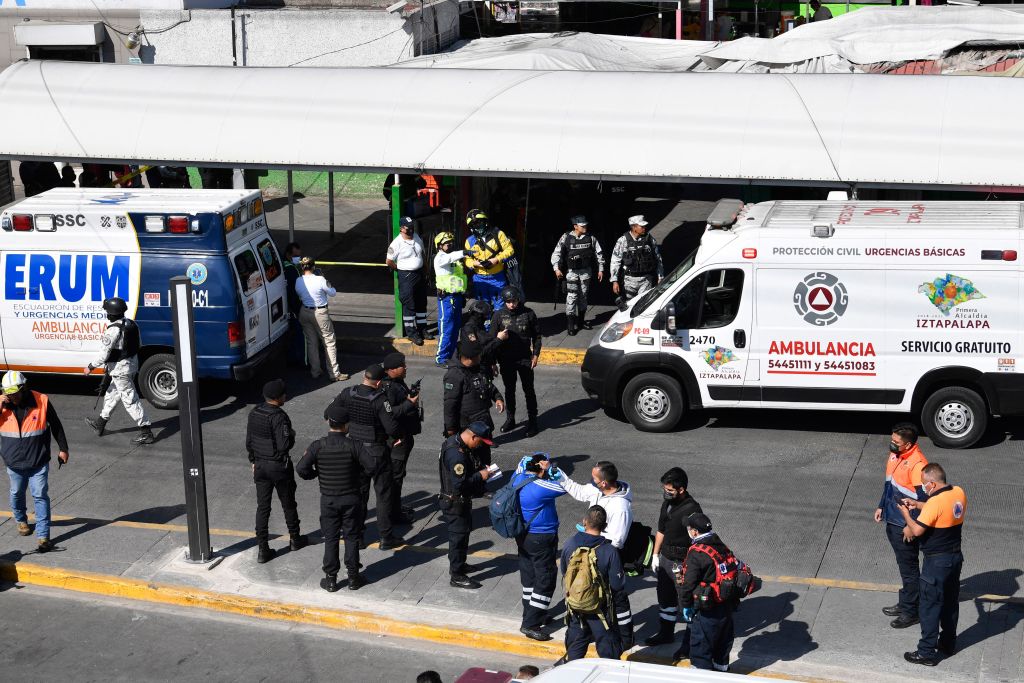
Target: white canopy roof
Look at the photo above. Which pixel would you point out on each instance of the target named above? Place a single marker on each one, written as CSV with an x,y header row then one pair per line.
x,y
816,129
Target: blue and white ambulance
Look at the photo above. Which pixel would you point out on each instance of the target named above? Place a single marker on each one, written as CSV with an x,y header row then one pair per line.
x,y
66,250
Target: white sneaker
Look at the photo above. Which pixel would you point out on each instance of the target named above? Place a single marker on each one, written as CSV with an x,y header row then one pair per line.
x,y
720,667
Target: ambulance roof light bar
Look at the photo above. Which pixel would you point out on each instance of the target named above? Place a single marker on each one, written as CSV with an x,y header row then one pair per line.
x,y
725,214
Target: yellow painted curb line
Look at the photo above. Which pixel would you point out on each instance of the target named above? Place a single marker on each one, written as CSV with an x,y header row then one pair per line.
x,y
135,589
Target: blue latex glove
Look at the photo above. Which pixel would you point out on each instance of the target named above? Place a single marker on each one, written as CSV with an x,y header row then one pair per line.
x,y
688,614
554,473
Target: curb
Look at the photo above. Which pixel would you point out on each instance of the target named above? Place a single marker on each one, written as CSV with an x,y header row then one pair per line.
x,y
385,345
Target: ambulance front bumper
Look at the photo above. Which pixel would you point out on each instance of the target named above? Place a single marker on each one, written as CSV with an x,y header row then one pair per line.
x,y
248,368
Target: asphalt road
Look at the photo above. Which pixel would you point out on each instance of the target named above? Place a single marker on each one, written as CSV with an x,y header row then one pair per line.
x,y
52,635
791,492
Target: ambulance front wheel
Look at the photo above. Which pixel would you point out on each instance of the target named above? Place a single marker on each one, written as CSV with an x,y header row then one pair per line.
x,y
954,417
158,381
653,402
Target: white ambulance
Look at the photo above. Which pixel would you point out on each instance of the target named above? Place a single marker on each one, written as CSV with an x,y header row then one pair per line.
x,y
840,305
66,250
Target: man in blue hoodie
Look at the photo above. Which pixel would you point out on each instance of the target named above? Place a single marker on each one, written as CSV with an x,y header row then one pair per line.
x,y
613,634
538,547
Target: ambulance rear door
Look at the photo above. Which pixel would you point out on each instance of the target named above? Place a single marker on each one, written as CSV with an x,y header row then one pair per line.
x,y
255,307
274,282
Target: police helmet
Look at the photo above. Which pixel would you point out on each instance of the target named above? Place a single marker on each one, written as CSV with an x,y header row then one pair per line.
x,y
13,382
510,293
476,219
115,306
480,307
443,237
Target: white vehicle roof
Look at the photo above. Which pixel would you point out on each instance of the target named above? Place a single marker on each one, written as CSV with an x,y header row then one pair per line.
x,y
882,215
131,200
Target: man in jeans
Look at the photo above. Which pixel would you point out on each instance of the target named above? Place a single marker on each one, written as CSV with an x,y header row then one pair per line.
x,y
27,420
314,290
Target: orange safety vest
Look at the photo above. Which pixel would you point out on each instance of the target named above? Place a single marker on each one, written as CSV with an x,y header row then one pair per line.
x,y
26,446
904,471
432,191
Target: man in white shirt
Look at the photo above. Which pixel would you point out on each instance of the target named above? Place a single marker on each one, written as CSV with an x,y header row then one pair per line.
x,y
314,290
821,13
613,495
405,257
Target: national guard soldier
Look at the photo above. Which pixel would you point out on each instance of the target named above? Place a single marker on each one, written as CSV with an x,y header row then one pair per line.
x,y
340,464
372,422
463,477
468,395
120,360
268,439
518,355
405,402
576,257
636,262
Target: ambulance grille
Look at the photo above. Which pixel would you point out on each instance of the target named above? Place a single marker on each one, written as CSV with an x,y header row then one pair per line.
x,y
886,215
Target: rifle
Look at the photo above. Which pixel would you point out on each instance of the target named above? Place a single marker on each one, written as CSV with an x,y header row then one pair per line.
x,y
102,389
414,391
105,382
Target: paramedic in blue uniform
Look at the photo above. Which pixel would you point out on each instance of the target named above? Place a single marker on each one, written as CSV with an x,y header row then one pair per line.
x,y
119,357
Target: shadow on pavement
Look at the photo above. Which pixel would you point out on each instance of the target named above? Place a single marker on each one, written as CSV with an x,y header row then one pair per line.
x,y
156,515
991,623
790,641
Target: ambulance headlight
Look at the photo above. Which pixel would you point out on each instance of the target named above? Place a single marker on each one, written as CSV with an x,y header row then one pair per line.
x,y
614,333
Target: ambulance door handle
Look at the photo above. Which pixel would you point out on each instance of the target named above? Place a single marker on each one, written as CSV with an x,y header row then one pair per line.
x,y
739,339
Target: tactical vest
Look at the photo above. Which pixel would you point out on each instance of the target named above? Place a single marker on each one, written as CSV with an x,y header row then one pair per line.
x,y
451,283
580,252
638,258
130,340
337,466
363,422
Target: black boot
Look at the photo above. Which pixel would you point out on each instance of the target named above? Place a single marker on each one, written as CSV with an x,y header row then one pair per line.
x,y
98,423
146,437
531,426
424,332
510,422
356,581
298,542
265,554
665,634
329,583
571,325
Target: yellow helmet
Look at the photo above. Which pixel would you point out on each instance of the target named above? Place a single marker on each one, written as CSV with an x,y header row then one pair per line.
x,y
12,382
443,237
475,216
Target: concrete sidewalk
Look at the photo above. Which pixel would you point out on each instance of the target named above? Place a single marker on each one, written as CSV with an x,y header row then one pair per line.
x,y
806,629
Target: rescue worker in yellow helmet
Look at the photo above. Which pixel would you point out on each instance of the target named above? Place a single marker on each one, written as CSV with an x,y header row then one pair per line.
x,y
450,279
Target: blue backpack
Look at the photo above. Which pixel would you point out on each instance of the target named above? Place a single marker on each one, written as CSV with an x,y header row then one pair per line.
x,y
507,512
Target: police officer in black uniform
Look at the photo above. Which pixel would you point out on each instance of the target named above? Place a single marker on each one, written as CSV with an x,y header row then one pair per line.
x,y
405,404
468,395
340,464
670,545
474,328
372,422
518,355
268,439
463,477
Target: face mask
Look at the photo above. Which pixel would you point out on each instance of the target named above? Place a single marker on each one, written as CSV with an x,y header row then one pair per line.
x,y
668,496
296,259
580,528
893,448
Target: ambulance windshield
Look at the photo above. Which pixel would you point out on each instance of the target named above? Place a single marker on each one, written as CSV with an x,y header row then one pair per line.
x,y
666,283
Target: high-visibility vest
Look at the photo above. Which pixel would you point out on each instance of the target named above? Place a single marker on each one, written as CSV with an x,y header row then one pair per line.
x,y
452,282
26,446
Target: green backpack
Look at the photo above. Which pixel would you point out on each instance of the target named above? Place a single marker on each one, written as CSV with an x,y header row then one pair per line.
x,y
586,592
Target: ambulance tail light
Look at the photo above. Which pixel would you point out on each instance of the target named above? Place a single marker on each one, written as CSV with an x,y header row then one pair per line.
x,y
998,255
44,224
235,336
155,224
177,224
22,222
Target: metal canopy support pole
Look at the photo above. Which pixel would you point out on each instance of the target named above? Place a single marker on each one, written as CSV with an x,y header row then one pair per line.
x,y
291,210
330,202
396,218
679,20
199,549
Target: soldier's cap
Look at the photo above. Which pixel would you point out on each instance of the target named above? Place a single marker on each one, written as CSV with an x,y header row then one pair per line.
x,y
637,220
375,372
470,349
482,430
699,522
579,220
337,413
393,361
275,388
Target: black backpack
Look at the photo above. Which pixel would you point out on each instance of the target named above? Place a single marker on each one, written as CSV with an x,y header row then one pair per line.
x,y
638,549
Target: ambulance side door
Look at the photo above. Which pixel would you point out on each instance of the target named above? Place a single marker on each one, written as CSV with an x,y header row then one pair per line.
x,y
713,316
256,320
275,284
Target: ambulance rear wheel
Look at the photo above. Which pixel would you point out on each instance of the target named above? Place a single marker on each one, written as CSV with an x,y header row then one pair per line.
x,y
158,381
653,402
954,417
